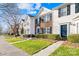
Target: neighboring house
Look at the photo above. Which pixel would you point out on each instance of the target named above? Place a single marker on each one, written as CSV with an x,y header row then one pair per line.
x,y
27,25
66,19
43,21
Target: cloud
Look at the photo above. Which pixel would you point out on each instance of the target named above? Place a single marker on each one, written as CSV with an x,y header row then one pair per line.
x,y
38,5
32,12
25,6
30,7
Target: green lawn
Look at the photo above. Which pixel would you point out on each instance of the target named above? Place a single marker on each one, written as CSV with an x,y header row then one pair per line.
x,y
33,46
11,38
66,51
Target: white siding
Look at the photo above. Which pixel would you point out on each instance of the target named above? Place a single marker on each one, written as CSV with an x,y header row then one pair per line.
x,y
65,19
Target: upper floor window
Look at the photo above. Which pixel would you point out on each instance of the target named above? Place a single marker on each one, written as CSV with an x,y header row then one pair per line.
x,y
64,11
50,16
76,7
37,21
45,18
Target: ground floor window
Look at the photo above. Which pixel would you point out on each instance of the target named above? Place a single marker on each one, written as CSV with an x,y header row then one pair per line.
x,y
49,30
38,30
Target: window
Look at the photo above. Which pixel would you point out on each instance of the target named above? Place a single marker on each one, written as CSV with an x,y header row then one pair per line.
x,y
76,7
38,30
45,18
44,30
27,31
37,21
64,11
50,16
49,29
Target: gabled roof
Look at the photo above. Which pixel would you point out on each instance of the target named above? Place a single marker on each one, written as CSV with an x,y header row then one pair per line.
x,y
42,11
61,6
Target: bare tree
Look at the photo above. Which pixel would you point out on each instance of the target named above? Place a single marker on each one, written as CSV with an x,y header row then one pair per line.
x,y
10,13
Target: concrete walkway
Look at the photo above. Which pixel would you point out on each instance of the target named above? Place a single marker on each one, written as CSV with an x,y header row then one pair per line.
x,y
9,50
50,49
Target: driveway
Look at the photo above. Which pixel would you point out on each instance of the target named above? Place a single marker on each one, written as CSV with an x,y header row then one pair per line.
x,y
9,50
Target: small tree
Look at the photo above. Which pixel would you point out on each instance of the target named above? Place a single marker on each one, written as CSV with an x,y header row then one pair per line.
x,y
10,13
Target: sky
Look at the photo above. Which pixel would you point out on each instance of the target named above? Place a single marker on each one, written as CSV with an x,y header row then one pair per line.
x,y
33,8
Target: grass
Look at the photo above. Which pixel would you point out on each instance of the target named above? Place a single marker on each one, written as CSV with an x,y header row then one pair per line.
x,y
12,39
66,51
33,46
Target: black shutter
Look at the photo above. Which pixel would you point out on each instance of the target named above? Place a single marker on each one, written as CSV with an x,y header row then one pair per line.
x,y
76,7
59,13
68,9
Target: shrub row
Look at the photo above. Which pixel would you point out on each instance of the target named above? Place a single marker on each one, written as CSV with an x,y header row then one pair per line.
x,y
29,35
48,36
73,38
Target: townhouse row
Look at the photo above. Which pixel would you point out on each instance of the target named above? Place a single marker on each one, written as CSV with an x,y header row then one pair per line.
x,y
62,20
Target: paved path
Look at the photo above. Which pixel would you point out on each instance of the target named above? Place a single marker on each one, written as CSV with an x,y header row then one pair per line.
x,y
50,49
9,50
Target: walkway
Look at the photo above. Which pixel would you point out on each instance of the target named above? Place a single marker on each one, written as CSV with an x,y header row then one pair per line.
x,y
9,50
50,49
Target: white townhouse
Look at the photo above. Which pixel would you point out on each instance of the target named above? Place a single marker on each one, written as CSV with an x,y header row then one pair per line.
x,y
27,25
66,19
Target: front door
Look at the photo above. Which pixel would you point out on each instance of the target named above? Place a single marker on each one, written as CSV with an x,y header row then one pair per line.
x,y
64,30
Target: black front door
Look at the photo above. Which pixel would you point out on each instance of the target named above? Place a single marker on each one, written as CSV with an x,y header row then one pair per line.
x,y
64,30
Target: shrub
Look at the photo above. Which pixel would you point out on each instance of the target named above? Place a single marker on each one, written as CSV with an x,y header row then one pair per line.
x,y
48,36
73,38
41,36
54,36
29,35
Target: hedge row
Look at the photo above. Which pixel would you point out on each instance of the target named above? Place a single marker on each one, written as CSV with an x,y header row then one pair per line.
x,y
48,36
73,38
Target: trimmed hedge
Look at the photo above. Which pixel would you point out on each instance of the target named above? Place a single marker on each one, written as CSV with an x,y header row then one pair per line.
x,y
41,36
73,38
48,36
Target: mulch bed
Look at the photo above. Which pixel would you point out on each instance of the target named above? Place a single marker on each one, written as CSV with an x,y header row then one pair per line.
x,y
70,44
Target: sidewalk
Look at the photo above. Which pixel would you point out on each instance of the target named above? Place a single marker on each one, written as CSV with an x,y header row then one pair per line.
x,y
9,50
50,49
